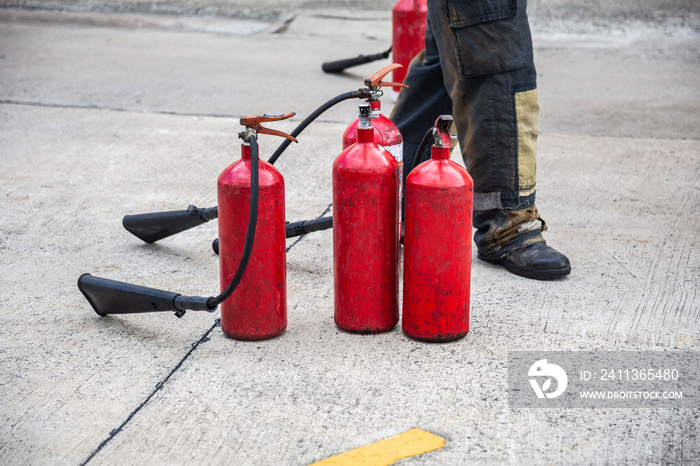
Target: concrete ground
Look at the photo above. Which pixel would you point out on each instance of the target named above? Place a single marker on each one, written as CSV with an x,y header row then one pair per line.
x,y
106,114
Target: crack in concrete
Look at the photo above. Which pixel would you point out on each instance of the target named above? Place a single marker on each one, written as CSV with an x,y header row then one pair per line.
x,y
159,386
205,338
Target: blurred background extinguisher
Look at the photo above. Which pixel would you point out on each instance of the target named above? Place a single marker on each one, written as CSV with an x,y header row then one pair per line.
x,y
408,21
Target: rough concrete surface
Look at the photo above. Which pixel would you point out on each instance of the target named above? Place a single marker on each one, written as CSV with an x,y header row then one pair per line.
x,y
105,114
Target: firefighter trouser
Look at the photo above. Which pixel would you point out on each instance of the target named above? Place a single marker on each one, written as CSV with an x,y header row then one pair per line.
x,y
478,66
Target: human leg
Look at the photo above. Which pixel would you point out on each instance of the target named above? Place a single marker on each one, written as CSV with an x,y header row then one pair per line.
x,y
485,53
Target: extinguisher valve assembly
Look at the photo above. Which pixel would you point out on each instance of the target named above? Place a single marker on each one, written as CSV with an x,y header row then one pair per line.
x,y
374,83
441,132
114,297
437,272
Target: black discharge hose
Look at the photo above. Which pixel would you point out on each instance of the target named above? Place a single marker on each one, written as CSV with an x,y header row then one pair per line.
x,y
113,297
361,93
152,227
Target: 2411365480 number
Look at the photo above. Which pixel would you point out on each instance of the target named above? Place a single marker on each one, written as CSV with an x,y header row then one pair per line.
x,y
639,374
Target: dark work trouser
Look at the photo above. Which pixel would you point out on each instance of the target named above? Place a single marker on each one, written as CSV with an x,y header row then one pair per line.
x,y
478,66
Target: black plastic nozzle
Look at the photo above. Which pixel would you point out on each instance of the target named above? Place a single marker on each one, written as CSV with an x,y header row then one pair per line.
x,y
309,226
340,65
155,226
113,297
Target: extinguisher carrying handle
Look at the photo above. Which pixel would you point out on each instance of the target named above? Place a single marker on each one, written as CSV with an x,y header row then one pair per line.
x,y
253,123
341,65
443,138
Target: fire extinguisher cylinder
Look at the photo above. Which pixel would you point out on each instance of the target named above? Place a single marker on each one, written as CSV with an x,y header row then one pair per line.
x,y
437,245
257,308
365,234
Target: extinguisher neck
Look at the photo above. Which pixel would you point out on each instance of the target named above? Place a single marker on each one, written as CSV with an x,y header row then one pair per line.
x,y
245,151
365,135
440,153
365,114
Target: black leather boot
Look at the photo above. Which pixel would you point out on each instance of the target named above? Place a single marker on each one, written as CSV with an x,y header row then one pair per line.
x,y
538,261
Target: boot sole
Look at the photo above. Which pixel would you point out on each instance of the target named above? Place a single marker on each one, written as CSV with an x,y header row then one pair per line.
x,y
550,274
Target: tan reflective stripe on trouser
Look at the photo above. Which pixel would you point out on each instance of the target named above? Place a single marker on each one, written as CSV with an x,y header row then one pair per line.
x,y
527,111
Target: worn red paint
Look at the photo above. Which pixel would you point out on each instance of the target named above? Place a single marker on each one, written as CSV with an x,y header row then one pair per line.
x,y
257,309
365,236
437,249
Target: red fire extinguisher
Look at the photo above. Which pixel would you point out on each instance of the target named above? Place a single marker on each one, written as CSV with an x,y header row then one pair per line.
x,y
386,134
437,245
409,19
365,234
257,309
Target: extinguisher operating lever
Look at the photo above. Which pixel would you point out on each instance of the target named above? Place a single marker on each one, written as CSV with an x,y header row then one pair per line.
x,y
375,81
253,122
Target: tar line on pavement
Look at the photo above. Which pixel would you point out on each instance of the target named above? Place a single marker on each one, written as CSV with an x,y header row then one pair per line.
x,y
159,385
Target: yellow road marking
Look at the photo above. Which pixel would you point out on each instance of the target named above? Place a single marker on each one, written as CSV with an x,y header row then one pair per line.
x,y
384,452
